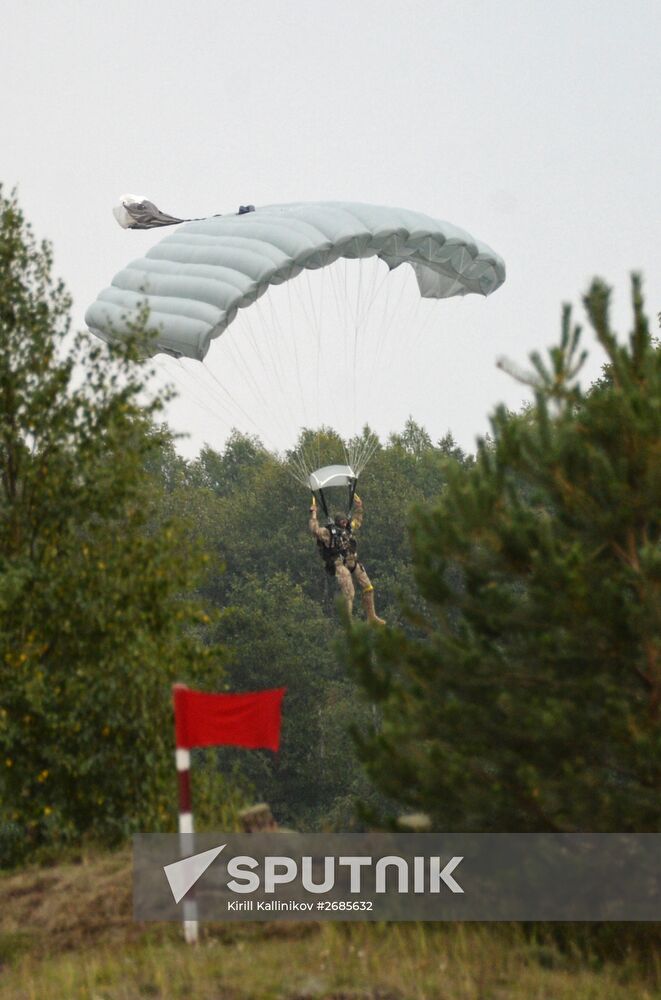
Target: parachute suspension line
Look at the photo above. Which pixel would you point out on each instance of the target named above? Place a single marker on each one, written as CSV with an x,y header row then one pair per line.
x,y
276,353
300,474
409,319
361,448
345,300
291,327
226,391
295,468
391,320
366,316
187,392
303,457
197,389
193,391
370,444
355,344
374,289
423,328
313,310
318,315
339,282
292,334
273,354
275,350
357,305
340,302
194,383
255,341
382,325
288,332
272,334
320,338
317,318
231,345
234,355
313,322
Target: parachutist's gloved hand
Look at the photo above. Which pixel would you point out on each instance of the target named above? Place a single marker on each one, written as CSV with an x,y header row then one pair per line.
x,y
357,501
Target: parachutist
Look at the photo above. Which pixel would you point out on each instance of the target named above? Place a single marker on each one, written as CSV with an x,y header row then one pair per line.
x,y
338,548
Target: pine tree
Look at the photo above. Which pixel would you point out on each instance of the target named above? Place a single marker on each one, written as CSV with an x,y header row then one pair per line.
x,y
529,697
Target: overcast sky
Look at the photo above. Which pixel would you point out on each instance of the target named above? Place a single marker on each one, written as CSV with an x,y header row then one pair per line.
x,y
536,126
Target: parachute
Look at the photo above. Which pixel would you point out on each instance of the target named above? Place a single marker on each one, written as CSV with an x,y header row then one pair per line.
x,y
206,273
197,278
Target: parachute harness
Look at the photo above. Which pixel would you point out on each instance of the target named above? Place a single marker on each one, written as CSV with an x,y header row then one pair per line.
x,y
342,546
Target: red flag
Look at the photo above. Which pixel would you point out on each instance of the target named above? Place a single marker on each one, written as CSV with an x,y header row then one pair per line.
x,y
240,720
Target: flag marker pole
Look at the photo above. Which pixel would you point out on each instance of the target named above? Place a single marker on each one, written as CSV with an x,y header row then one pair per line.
x,y
186,835
249,720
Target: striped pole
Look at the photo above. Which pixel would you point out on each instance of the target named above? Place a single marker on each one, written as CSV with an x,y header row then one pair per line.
x,y
186,832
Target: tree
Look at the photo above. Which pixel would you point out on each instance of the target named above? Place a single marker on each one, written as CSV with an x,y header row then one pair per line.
x,y
92,625
277,636
530,697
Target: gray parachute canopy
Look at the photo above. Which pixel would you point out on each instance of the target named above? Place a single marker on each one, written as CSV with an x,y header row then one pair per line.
x,y
196,279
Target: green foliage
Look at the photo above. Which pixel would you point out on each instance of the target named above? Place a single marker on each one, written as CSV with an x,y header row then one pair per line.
x,y
279,619
530,700
93,626
276,636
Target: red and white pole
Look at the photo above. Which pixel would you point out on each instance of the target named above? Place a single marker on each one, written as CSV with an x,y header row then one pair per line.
x,y
210,720
186,833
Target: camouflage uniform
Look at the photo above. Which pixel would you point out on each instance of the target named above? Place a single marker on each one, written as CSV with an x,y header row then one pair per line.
x,y
345,566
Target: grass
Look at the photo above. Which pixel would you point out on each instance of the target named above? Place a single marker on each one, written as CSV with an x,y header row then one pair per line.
x,y
66,933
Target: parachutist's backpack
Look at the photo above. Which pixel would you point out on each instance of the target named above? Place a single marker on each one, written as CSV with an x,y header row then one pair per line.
x,y
342,544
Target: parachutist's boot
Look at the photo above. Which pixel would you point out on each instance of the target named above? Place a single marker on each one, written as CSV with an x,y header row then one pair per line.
x,y
368,605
